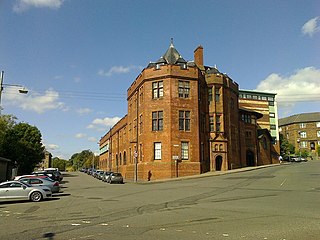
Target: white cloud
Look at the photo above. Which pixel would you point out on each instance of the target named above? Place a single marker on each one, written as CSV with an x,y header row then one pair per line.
x,y
80,135
311,27
34,101
302,86
51,147
83,111
100,124
24,5
118,70
92,139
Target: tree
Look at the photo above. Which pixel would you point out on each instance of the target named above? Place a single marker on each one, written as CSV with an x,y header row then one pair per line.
x,y
285,146
83,159
21,143
60,163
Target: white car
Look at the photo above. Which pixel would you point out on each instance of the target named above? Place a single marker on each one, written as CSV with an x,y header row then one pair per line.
x,y
15,190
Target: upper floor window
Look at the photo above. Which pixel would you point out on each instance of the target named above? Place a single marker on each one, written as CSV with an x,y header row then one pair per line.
x,y
318,124
218,123
184,89
303,134
272,115
211,124
184,120
157,121
184,150
302,125
157,89
217,94
318,133
210,94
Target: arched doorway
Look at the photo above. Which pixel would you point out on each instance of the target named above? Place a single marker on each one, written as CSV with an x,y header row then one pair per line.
x,y
218,163
250,158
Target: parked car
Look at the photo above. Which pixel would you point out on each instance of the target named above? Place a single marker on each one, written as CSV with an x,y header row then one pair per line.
x,y
53,174
47,182
115,178
16,190
105,176
100,174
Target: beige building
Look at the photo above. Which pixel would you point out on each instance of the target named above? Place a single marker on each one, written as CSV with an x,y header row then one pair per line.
x,y
302,131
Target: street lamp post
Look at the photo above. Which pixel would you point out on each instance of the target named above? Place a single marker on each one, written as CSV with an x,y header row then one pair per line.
x,y
21,90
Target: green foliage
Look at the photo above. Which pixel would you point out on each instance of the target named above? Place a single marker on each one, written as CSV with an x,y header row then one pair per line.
x,y
82,159
285,146
21,143
318,150
60,163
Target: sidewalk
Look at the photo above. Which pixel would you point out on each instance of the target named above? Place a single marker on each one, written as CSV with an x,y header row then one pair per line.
x,y
210,174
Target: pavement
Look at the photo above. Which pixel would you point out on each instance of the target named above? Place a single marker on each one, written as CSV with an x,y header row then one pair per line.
x,y
214,173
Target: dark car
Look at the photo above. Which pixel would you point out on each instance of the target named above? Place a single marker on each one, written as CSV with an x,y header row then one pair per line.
x,y
115,178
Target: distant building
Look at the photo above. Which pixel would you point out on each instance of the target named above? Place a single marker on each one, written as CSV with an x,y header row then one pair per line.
x,y
302,131
47,161
184,119
266,104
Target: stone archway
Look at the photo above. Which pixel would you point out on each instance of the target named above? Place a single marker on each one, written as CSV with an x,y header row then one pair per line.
x,y
250,158
218,166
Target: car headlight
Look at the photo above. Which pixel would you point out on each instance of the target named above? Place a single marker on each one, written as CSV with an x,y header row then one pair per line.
x,y
46,190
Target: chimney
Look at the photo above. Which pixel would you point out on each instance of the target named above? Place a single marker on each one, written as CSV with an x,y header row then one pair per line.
x,y
198,56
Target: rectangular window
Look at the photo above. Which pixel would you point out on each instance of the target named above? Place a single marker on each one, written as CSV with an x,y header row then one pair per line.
x,y
157,151
157,89
318,133
211,124
303,144
184,89
272,127
184,150
272,115
184,120
217,94
318,124
218,123
303,134
157,121
140,124
302,125
210,94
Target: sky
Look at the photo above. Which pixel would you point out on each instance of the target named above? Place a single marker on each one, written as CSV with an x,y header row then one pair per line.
x,y
77,58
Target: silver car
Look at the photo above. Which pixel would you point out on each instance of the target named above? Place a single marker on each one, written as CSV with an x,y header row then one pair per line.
x,y
47,182
16,190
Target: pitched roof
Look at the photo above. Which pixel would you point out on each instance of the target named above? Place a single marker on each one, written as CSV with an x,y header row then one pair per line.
x,y
171,56
300,118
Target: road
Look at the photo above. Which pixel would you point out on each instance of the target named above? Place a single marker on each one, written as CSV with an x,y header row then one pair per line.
x,y
279,202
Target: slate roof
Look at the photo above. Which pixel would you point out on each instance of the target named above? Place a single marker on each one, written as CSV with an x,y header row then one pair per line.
x,y
171,56
300,118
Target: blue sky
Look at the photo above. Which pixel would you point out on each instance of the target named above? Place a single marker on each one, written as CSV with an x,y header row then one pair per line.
x,y
78,57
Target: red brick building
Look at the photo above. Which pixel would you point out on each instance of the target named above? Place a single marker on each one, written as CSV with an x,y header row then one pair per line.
x,y
183,119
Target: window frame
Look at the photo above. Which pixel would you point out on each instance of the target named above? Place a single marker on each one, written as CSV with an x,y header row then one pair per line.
x,y
157,89
184,150
183,89
157,150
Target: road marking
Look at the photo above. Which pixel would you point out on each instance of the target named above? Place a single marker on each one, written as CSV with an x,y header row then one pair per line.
x,y
283,182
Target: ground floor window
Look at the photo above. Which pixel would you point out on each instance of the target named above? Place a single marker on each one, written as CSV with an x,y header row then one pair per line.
x,y
157,151
184,150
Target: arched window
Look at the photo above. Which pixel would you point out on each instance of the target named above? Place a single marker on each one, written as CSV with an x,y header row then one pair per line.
x,y
220,147
124,158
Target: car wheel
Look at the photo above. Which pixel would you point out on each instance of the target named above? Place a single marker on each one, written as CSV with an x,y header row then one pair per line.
x,y
36,196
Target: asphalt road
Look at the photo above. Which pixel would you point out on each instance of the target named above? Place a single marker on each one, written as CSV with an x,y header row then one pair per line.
x,y
279,202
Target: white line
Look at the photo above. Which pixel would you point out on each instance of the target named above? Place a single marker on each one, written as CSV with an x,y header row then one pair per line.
x,y
283,182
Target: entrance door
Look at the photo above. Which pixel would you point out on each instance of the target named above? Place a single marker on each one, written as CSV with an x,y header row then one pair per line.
x,y
218,163
250,159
